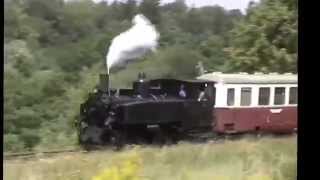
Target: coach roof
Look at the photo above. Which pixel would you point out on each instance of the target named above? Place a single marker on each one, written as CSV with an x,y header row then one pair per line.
x,y
245,78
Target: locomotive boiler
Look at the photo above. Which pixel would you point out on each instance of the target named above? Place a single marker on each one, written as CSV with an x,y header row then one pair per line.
x,y
152,111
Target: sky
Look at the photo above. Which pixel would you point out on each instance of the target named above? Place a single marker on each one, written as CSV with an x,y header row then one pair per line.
x,y
227,4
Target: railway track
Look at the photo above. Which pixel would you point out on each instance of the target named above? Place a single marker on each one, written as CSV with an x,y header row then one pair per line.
x,y
218,140
26,155
32,154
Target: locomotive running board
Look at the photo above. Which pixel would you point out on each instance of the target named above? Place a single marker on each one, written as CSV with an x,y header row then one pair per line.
x,y
153,126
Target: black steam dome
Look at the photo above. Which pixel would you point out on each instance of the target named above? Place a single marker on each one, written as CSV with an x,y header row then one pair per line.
x,y
141,86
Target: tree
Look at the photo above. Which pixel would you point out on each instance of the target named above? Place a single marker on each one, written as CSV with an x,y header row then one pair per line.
x,y
192,22
233,16
168,63
103,14
78,20
215,18
151,9
48,10
20,57
14,22
266,40
177,7
129,9
211,49
116,10
209,19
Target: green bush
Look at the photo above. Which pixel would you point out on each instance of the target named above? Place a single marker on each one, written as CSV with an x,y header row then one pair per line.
x,y
30,138
11,142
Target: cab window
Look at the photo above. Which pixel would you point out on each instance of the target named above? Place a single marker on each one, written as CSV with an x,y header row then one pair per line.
x,y
293,95
264,96
230,97
245,96
279,95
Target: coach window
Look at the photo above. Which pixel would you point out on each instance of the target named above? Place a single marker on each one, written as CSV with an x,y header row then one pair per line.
x,y
279,94
264,96
230,97
293,95
245,96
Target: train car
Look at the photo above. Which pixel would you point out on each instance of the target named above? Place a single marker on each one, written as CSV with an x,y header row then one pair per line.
x,y
254,102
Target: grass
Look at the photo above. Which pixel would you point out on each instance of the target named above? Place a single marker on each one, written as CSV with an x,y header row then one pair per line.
x,y
267,158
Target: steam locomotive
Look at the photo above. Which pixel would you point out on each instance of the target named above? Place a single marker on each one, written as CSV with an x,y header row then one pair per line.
x,y
167,110
151,112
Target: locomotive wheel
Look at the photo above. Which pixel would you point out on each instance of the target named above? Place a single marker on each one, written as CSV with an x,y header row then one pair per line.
x,y
117,139
159,139
91,135
163,137
143,141
88,147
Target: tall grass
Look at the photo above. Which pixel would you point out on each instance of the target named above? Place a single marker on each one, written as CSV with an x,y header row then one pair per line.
x,y
247,159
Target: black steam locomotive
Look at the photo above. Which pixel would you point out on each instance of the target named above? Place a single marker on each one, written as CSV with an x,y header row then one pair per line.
x,y
153,111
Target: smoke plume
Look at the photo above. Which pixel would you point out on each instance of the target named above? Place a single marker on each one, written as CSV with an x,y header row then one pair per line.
x,y
141,38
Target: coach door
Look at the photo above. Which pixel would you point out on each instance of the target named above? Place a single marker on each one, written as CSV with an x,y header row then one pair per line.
x,y
198,109
205,103
276,120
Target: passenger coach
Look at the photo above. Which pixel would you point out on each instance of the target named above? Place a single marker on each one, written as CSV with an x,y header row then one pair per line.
x,y
254,102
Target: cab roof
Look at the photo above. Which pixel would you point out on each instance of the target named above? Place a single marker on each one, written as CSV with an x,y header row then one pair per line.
x,y
245,78
179,81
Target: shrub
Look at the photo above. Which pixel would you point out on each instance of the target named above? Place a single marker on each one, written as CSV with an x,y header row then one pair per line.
x,y
127,169
12,143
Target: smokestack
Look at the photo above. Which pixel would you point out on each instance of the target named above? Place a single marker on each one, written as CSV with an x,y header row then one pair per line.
x,y
104,83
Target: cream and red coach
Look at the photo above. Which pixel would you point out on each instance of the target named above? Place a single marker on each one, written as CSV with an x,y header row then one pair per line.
x,y
254,102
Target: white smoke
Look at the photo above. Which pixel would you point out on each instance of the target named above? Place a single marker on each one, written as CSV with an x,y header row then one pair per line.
x,y
133,43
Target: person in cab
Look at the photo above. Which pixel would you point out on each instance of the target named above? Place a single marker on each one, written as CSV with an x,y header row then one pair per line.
x,y
182,92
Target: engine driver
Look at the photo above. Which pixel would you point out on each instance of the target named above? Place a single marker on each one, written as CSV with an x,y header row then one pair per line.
x,y
203,94
182,92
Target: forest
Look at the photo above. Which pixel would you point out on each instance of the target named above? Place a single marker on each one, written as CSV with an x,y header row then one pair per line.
x,y
54,51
